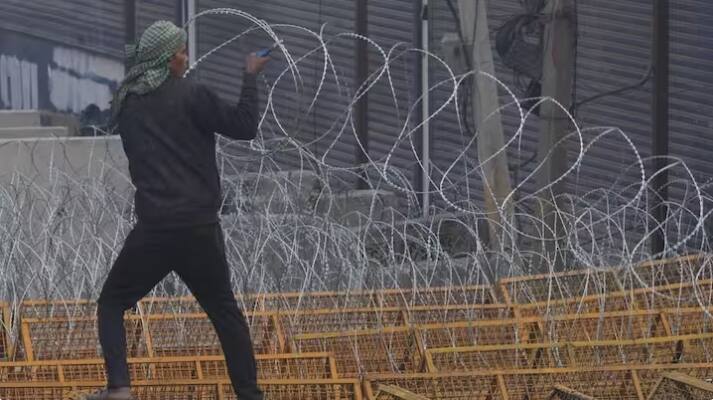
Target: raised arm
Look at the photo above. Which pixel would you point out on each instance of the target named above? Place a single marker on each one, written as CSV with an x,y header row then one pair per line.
x,y
240,121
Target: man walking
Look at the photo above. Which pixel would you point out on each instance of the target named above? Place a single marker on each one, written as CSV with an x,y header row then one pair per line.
x,y
167,127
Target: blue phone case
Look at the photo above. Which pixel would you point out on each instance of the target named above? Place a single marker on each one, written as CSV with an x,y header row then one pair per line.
x,y
263,52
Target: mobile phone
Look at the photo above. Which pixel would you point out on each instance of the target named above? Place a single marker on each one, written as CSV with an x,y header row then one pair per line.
x,y
266,51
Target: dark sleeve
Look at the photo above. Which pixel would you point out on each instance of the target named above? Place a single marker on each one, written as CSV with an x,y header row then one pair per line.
x,y
213,115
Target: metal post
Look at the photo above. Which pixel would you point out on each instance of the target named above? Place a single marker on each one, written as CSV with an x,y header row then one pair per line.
x,y
425,112
192,34
361,109
660,110
417,88
180,12
129,21
186,10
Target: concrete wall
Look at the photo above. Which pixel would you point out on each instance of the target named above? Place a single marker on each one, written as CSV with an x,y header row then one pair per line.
x,y
47,161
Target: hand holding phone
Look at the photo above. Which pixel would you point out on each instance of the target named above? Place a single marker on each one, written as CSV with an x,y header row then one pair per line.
x,y
254,64
266,51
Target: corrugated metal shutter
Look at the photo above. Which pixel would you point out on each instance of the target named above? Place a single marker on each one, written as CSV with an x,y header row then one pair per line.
x,y
390,22
223,70
97,26
447,139
691,97
451,138
148,12
613,51
614,46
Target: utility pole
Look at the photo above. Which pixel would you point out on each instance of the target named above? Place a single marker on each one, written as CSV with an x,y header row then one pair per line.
x,y
558,71
361,108
660,111
485,105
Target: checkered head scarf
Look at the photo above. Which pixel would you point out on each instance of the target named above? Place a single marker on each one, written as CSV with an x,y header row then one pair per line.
x,y
148,61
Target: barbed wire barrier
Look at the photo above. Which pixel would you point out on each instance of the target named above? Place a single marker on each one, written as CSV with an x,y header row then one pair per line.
x,y
62,223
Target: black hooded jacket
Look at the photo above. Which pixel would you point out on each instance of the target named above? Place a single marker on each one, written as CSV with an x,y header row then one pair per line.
x,y
169,139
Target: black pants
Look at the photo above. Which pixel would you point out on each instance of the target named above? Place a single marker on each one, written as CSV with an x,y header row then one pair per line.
x,y
197,255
